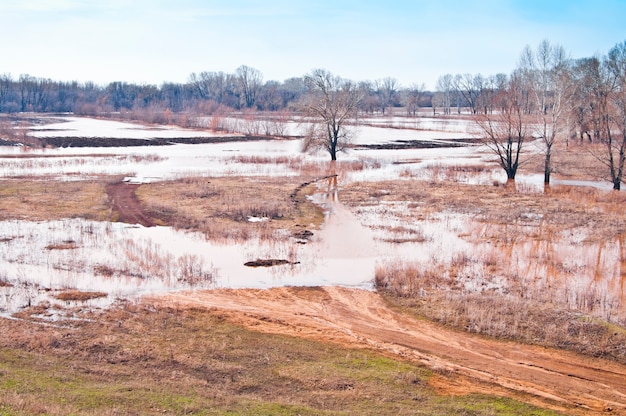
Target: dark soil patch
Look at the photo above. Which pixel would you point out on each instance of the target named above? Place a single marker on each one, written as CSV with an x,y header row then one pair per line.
x,y
125,142
419,144
268,262
125,203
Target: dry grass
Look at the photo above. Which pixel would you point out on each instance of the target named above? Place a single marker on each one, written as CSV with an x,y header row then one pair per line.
x,y
539,317
491,291
41,200
79,296
562,207
581,161
221,207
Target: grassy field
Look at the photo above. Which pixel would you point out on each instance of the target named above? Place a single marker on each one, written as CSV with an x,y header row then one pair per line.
x,y
137,359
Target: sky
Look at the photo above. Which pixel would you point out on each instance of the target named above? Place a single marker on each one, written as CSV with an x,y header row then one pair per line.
x,y
412,41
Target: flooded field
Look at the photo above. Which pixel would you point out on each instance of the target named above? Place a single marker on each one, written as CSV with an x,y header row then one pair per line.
x,y
469,253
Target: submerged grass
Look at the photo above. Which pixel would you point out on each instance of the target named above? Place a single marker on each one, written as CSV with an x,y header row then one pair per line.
x,y
145,360
516,281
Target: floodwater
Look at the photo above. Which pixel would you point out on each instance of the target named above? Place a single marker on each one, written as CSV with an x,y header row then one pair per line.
x,y
39,258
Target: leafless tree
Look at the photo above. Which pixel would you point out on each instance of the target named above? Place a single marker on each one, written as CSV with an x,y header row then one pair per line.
x,y
331,104
546,75
616,141
505,130
470,87
445,88
214,86
492,87
250,81
386,89
413,97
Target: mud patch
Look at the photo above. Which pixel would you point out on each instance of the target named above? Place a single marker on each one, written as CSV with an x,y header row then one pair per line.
x,y
269,262
125,203
419,144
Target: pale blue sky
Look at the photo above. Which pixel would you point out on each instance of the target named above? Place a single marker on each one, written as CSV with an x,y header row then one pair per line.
x,y
152,41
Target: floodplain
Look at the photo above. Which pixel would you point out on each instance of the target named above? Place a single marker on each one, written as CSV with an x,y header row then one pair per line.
x,y
413,231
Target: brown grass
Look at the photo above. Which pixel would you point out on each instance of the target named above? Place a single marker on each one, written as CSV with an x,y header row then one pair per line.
x,y
41,200
562,207
221,207
505,221
80,296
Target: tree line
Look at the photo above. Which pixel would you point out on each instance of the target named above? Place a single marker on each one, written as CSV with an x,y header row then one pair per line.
x,y
547,97
204,92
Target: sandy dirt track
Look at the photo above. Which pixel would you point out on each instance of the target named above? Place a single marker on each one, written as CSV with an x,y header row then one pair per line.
x,y
464,362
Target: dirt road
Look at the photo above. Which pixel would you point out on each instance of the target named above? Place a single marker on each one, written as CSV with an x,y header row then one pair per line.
x,y
125,203
464,363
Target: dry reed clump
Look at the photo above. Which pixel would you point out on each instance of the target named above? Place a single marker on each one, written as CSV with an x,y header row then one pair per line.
x,y
306,167
535,319
452,172
402,234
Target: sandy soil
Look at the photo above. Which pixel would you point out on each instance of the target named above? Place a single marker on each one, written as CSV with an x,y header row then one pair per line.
x,y
463,362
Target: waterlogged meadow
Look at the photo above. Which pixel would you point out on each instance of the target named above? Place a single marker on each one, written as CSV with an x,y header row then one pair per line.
x,y
373,235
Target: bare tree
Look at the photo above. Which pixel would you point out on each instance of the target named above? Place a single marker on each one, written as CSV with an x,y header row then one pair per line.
x,y
616,142
445,87
469,87
386,89
250,81
547,77
413,97
492,87
331,103
505,130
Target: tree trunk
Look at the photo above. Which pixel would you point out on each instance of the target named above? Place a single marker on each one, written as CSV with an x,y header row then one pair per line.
x,y
333,149
547,166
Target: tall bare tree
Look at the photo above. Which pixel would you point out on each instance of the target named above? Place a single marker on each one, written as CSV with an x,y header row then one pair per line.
x,y
445,88
505,130
250,81
386,89
616,142
413,97
331,104
547,78
470,87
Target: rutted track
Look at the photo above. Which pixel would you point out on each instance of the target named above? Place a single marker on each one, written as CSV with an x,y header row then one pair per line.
x,y
126,205
547,377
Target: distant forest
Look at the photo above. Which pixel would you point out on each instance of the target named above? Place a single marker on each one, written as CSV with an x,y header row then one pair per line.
x,y
204,93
